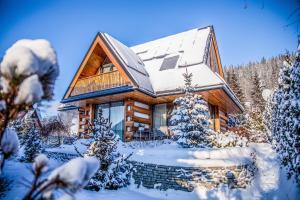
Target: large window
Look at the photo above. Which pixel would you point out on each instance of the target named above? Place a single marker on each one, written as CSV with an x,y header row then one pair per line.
x,y
160,116
115,113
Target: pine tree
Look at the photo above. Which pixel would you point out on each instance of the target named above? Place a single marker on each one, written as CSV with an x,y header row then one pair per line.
x,y
235,86
114,172
285,117
32,144
256,94
190,118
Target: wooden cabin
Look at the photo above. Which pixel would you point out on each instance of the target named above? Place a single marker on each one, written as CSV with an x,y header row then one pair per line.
x,y
135,86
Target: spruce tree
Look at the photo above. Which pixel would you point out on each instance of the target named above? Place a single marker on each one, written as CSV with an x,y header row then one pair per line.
x,y
235,86
286,117
114,171
32,144
190,118
256,94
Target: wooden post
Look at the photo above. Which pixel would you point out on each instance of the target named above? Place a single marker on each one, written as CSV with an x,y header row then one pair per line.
x,y
217,119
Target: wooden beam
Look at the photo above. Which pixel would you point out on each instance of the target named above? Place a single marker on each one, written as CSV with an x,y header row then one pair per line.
x,y
97,41
217,120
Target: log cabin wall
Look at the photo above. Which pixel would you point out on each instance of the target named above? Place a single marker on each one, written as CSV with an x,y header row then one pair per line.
x,y
223,121
86,115
136,114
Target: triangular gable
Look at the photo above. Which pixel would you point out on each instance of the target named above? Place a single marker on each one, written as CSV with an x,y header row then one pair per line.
x,y
90,61
215,48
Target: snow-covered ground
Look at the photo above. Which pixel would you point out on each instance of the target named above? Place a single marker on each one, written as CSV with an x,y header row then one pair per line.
x,y
168,153
269,183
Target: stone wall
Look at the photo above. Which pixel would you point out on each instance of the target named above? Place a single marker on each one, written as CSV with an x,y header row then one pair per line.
x,y
186,178
60,156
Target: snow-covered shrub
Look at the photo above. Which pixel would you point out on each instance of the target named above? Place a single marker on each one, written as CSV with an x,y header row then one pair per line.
x,y
32,144
190,118
228,139
284,117
9,143
114,171
27,74
256,127
68,178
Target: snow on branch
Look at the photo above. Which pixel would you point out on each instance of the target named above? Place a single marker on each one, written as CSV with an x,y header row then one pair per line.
x,y
27,75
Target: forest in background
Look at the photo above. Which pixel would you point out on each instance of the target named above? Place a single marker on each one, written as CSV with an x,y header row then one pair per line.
x,y
247,80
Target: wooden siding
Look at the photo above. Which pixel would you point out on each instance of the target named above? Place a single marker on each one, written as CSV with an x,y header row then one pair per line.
x,y
130,118
95,56
85,116
99,82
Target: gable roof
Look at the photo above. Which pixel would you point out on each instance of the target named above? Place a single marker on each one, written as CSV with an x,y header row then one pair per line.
x,y
130,62
142,63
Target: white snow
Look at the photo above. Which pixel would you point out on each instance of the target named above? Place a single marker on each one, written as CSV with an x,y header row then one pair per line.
x,y
172,79
191,43
190,46
269,183
4,85
27,57
10,142
171,154
31,90
147,58
40,162
75,173
80,144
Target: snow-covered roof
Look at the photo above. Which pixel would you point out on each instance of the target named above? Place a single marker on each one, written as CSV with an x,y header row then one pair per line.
x,y
189,45
186,50
132,63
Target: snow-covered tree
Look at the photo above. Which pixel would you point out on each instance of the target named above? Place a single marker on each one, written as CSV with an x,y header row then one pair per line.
x,y
229,139
256,94
190,118
256,127
64,181
114,171
32,144
285,117
27,75
236,87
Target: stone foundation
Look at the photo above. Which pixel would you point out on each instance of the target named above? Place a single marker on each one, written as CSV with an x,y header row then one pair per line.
x,y
186,178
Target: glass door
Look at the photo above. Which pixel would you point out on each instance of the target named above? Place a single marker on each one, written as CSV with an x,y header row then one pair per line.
x,y
115,113
117,118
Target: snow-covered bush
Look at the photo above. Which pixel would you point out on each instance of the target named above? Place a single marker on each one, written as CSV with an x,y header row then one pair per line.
x,y
256,128
32,144
190,118
114,171
68,178
284,117
228,139
9,143
27,75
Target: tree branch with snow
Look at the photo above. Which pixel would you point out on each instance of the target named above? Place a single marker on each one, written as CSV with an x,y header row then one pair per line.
x,y
27,75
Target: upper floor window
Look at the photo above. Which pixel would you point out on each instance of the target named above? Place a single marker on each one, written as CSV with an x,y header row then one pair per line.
x,y
107,66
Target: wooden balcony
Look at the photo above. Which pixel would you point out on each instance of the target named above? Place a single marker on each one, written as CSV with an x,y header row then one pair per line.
x,y
98,82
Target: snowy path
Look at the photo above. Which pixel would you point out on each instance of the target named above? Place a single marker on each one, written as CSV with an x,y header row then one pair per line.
x,y
270,183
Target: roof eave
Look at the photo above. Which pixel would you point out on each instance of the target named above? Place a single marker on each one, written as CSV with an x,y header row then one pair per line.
x,y
101,93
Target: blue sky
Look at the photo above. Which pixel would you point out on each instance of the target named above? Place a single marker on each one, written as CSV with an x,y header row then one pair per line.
x,y
246,30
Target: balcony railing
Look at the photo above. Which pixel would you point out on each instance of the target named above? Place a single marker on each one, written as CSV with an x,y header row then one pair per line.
x,y
98,82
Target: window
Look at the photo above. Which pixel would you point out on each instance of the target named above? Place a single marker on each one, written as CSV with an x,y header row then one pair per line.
x,y
115,113
169,63
160,115
107,66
